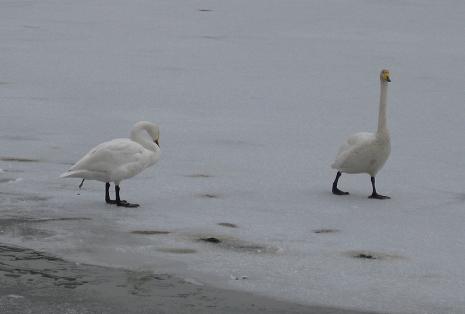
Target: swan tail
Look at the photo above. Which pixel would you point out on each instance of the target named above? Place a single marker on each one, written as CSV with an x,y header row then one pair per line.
x,y
73,174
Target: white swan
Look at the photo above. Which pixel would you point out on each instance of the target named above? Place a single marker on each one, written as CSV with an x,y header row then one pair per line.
x,y
119,159
366,152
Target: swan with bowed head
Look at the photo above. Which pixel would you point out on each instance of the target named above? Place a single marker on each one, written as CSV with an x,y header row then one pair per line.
x,y
119,159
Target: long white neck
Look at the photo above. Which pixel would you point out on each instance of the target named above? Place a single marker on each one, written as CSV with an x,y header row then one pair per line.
x,y
138,136
382,119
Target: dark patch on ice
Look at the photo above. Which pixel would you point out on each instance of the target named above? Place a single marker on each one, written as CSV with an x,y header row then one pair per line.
x,y
24,230
238,245
370,255
150,232
38,220
213,37
325,231
20,197
227,224
7,180
18,159
235,143
19,138
177,250
140,283
12,171
30,265
4,83
21,226
211,240
209,195
205,10
199,175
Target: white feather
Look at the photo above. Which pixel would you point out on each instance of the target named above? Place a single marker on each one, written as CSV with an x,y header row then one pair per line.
x,y
366,152
119,159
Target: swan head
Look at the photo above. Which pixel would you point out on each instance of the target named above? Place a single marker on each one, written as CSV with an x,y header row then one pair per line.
x,y
385,76
154,132
152,129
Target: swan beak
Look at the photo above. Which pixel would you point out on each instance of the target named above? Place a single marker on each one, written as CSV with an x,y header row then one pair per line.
x,y
388,79
156,142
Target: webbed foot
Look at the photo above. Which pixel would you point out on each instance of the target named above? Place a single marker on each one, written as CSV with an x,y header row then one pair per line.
x,y
336,191
379,196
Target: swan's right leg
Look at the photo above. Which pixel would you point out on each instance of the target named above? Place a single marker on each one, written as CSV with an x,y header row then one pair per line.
x,y
120,202
336,191
375,194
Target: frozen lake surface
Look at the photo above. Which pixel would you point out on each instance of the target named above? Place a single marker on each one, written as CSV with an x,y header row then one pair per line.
x,y
253,99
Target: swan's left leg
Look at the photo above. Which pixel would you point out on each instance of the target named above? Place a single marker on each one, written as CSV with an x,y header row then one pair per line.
x,y
336,191
375,194
120,202
107,194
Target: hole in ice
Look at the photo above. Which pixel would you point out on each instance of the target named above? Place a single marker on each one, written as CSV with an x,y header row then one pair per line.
x,y
211,240
149,232
365,256
227,224
325,231
18,159
177,250
199,175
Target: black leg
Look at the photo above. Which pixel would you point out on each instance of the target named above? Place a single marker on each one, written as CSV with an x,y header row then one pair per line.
x,y
120,202
107,194
336,191
82,183
375,194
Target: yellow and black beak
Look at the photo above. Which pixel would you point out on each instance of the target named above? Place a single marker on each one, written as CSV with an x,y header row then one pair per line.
x,y
388,79
156,142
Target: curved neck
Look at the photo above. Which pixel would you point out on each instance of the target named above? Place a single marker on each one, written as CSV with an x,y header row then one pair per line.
x,y
138,136
382,119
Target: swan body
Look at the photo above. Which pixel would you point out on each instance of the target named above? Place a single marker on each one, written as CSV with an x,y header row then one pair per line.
x,y
363,152
366,152
119,159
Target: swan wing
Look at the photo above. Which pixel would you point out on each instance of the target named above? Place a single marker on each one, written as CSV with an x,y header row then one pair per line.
x,y
108,157
352,147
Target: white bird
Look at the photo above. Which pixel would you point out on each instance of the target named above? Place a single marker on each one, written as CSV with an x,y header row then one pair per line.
x,y
366,152
119,159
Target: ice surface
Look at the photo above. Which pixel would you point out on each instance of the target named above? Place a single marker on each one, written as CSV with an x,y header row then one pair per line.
x,y
254,99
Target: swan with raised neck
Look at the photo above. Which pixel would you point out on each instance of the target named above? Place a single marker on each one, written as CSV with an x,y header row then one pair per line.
x,y
366,152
